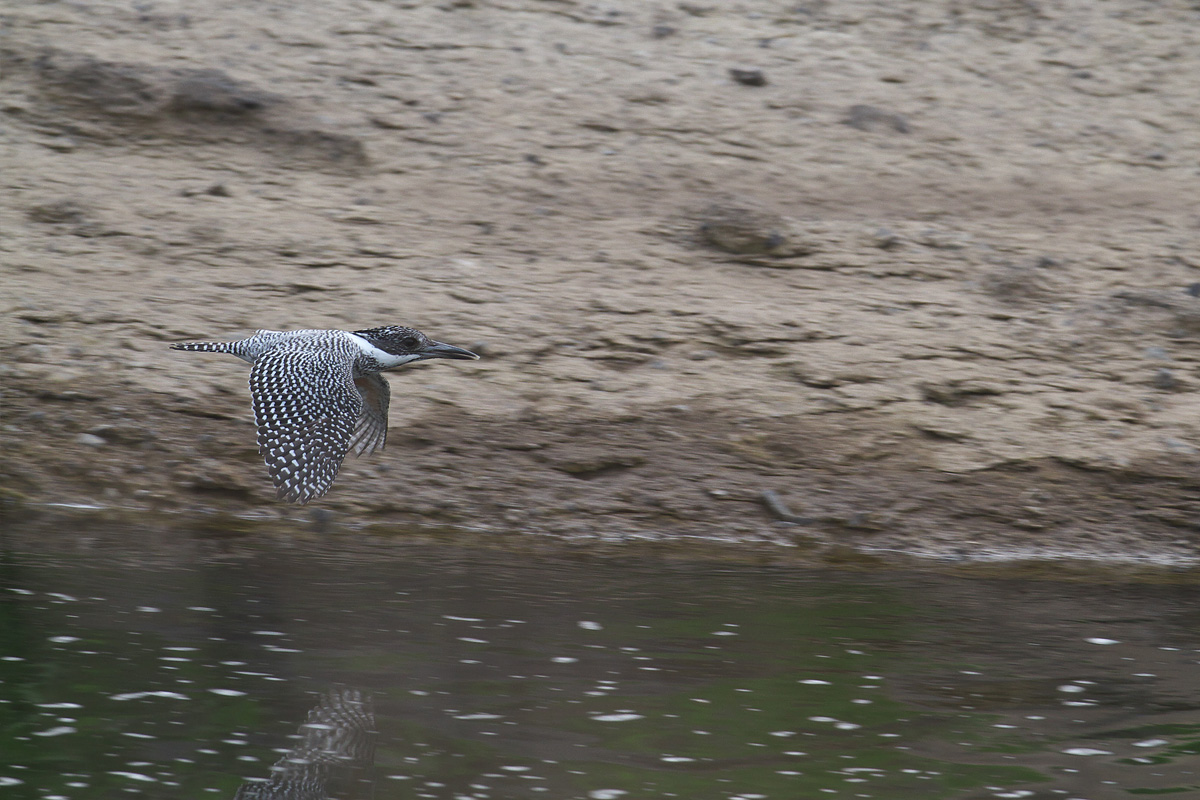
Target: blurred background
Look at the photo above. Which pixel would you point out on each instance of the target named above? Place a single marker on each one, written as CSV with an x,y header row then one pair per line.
x,y
925,274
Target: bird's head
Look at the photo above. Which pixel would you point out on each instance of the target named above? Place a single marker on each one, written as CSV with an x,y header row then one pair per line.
x,y
406,345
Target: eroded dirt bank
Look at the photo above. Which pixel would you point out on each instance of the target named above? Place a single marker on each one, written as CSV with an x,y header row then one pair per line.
x,y
926,274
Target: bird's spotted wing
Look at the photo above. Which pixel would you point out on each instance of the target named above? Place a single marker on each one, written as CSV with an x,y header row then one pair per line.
x,y
371,432
306,408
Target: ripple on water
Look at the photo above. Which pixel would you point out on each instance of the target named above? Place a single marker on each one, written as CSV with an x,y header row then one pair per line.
x,y
619,717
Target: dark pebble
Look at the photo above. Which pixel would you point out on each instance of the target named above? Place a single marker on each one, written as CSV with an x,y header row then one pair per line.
x,y
1165,379
748,76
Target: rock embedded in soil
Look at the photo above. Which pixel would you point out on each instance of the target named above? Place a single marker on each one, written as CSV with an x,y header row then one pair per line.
x,y
748,76
744,230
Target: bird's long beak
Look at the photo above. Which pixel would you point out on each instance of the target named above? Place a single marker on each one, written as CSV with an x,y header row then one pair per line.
x,y
440,350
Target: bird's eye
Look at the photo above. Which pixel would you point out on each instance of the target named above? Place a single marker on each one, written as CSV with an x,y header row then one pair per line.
x,y
410,343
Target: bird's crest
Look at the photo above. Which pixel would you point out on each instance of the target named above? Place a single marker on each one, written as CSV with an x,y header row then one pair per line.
x,y
394,339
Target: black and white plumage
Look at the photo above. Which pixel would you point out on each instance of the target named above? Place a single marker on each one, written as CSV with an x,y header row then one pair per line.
x,y
338,736
319,394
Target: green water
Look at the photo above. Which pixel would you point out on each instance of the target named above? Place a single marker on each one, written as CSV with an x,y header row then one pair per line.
x,y
172,671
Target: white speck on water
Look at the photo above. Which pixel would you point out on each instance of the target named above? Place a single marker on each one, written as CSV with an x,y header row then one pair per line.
x,y
1071,687
419,692
783,733
847,726
64,639
816,682
480,715
472,640
268,633
1099,640
1086,751
6,781
606,794
228,692
588,625
1151,743
59,731
59,705
134,735
516,769
860,701
11,658
182,649
676,759
794,753
724,633
400,777
822,719
700,700
200,608
62,596
140,695
461,619
148,610
616,717
135,776
564,660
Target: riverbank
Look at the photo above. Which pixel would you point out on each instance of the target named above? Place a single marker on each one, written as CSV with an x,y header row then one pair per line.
x,y
927,287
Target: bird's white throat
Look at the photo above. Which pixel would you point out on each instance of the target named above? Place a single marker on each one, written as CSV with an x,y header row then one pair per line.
x,y
383,357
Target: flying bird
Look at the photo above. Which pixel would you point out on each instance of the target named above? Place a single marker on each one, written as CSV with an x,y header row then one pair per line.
x,y
318,394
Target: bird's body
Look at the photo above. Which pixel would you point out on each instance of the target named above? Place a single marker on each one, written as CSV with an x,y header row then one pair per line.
x,y
318,394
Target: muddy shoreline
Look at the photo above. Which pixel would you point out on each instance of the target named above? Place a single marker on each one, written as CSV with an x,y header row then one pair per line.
x,y
918,279
675,474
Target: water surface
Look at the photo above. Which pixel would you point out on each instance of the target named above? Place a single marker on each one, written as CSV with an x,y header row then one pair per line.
x,y
154,668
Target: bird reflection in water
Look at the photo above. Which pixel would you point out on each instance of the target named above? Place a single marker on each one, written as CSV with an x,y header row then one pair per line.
x,y
336,741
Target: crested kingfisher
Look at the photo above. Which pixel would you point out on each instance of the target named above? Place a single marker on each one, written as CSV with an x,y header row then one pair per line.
x,y
318,394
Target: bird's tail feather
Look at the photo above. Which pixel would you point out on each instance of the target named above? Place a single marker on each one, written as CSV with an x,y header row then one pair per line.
x,y
205,347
